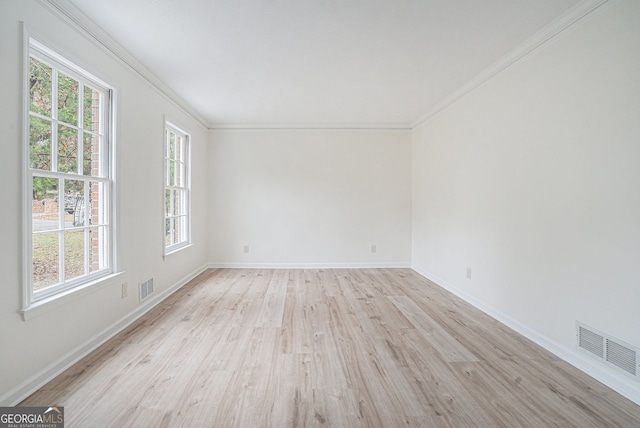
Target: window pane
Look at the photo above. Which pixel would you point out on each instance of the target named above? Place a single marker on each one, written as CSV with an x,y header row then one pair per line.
x,y
73,254
179,145
167,202
91,104
96,195
168,232
79,212
97,248
172,145
176,174
91,155
86,153
45,260
177,202
67,99
40,87
44,206
67,149
177,230
172,173
39,143
73,203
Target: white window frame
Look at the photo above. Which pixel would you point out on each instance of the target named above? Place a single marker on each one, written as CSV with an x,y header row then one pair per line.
x,y
182,212
34,300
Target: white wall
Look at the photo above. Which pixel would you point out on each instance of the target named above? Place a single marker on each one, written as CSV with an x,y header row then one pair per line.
x,y
533,181
310,197
34,349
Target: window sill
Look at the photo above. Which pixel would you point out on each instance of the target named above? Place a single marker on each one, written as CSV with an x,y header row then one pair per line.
x,y
177,250
50,303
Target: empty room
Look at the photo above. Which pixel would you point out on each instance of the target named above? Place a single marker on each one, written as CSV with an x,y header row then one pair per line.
x,y
320,213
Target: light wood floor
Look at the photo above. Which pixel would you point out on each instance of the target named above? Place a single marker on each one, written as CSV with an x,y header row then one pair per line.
x,y
344,348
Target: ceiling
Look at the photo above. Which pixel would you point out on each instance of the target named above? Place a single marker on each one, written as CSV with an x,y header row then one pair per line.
x,y
319,63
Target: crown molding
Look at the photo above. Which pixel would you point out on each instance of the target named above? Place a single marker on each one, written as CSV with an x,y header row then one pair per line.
x,y
312,126
561,25
86,27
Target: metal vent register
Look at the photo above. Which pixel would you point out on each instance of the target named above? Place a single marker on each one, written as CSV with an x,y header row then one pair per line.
x,y
611,351
146,288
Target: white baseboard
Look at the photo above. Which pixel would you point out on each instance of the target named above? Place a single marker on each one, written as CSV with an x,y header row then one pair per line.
x,y
622,385
35,382
389,265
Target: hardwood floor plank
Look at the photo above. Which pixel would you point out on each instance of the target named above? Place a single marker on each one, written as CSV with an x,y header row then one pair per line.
x,y
296,335
327,363
272,309
325,348
446,397
447,346
525,408
290,399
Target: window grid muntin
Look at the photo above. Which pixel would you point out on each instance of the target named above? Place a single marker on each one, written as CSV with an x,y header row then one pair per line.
x,y
102,178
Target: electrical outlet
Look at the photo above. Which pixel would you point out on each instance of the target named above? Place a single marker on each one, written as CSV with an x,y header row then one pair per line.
x,y
245,249
125,290
373,248
468,273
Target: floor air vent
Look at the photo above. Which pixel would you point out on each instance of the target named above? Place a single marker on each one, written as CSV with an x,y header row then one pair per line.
x,y
609,350
146,288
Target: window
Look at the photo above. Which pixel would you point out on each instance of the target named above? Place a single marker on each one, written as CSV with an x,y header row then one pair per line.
x,y
68,187
176,189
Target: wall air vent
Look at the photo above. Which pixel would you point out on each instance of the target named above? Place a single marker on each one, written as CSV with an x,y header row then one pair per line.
x,y
622,357
145,289
591,341
612,352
